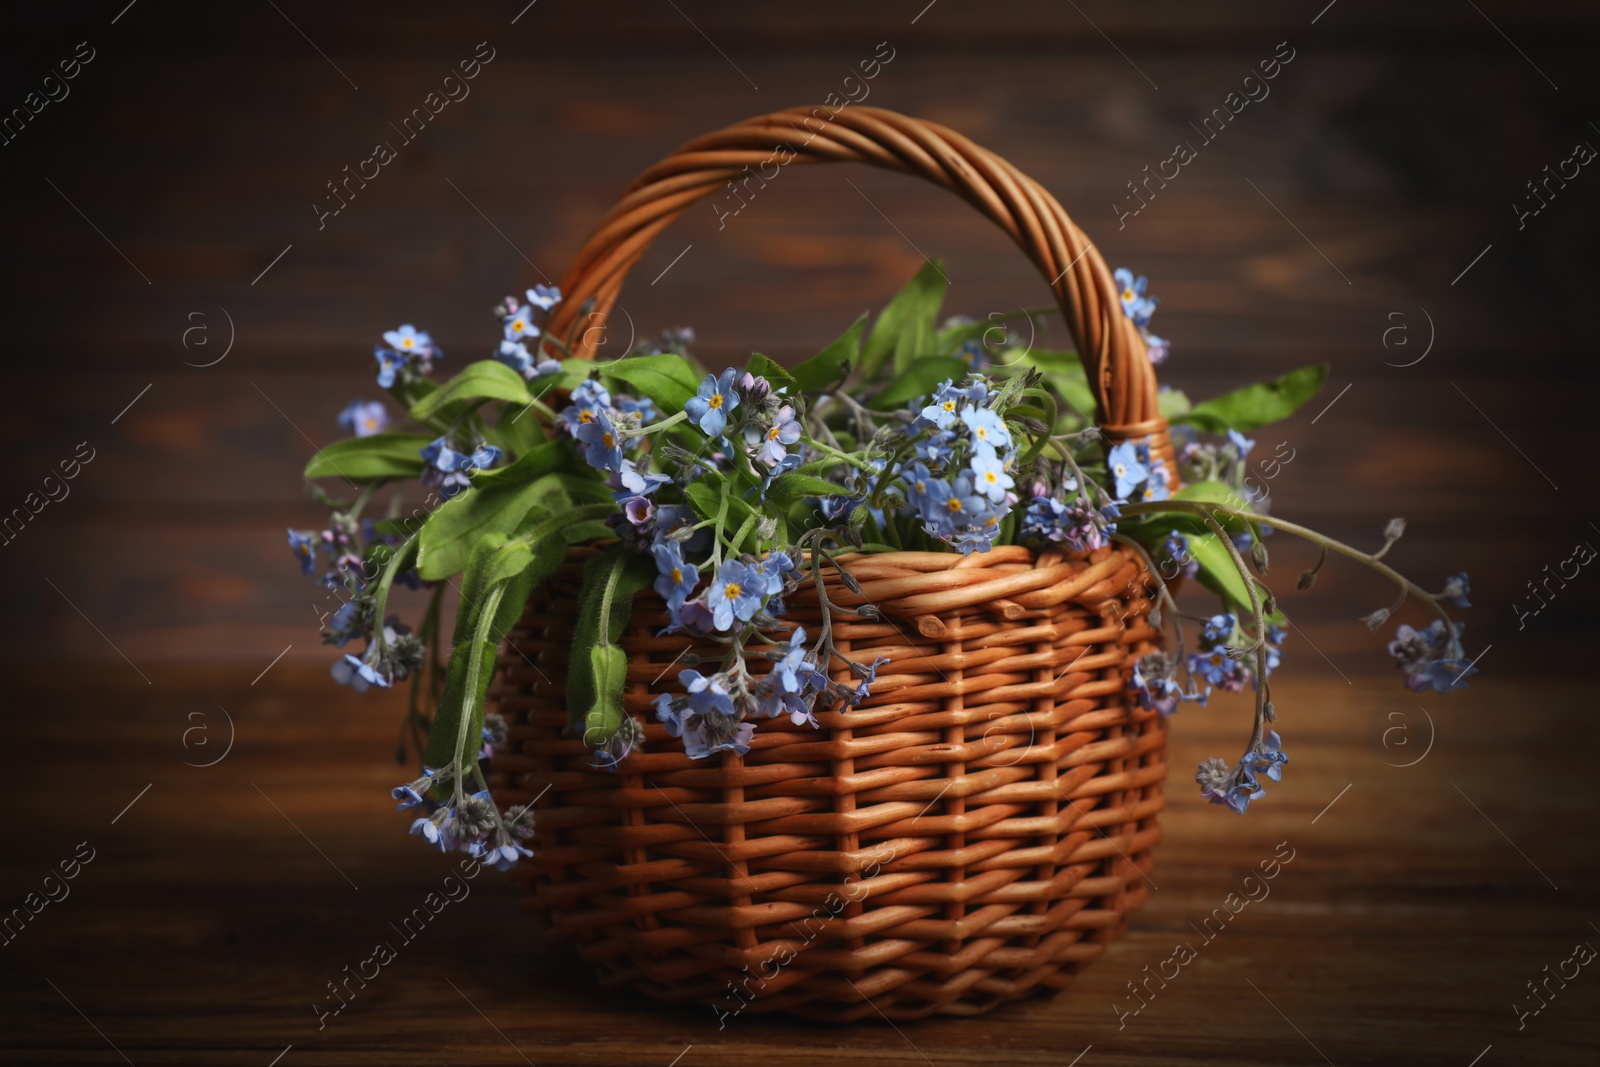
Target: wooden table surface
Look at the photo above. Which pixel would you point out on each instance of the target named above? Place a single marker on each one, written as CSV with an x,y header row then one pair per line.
x,y
220,900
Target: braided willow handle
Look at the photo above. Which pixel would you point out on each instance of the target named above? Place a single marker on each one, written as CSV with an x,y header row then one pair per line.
x,y
1109,345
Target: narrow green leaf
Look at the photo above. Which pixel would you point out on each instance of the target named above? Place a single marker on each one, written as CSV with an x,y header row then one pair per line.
x,y
486,379
630,573
1257,405
666,378
441,750
919,379
536,463
906,328
371,458
608,667
833,362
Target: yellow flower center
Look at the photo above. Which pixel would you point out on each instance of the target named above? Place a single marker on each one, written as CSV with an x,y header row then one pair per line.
x,y
989,477
953,504
609,439
407,342
677,574
715,401
949,405
730,590
518,325
1127,294
586,416
772,434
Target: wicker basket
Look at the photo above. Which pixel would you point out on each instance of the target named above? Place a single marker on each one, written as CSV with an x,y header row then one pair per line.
x,y
981,827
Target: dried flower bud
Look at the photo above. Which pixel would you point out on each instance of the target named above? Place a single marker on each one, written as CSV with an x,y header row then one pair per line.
x,y
1258,556
1269,712
1269,605
1306,580
1393,530
850,582
1376,619
869,611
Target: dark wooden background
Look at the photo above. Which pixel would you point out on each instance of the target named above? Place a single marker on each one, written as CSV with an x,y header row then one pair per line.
x,y
187,157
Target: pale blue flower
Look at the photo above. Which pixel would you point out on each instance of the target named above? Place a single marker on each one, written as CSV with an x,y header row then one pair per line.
x,y
389,364
987,428
1135,304
677,580
989,474
410,341
364,417
303,543
943,409
735,592
1126,469
775,441
357,674
544,296
710,407
600,443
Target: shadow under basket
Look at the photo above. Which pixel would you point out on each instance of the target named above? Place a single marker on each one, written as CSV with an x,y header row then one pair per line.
x,y
977,830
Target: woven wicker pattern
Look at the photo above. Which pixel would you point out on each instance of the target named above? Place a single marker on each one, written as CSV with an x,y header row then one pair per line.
x,y
977,830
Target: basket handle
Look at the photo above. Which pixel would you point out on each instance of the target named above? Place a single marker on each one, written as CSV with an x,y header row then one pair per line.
x,y
1113,354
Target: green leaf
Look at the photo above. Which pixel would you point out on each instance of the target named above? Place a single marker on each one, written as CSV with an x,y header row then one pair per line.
x,y
834,362
608,667
666,379
906,328
919,379
451,532
371,458
630,573
1062,372
762,367
1257,405
1217,571
1172,403
519,431
536,463
486,379
789,489
441,750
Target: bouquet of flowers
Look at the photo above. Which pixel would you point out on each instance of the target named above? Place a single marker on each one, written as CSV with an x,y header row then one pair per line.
x,y
726,489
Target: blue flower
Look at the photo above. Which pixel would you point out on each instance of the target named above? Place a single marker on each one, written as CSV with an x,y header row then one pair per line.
x,y
482,458
504,856
410,341
645,408
544,296
1232,787
357,674
942,410
1124,466
1240,442
987,428
989,474
1268,758
519,324
599,442
1444,675
1155,488
783,466
1044,520
438,454
1157,348
1153,683
389,364
589,400
364,417
1217,630
775,442
678,579
772,570
710,406
706,719
735,593
1135,304
1177,549
515,355
1456,589
1219,669
303,544
868,673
